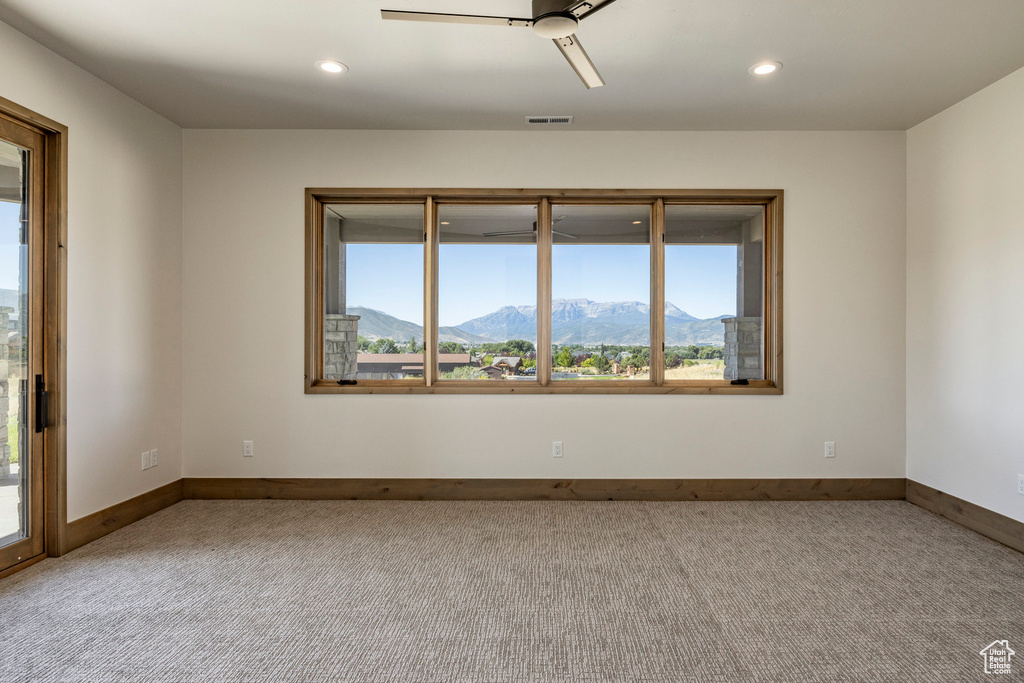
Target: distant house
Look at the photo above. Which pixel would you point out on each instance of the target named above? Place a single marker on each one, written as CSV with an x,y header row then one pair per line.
x,y
510,365
492,372
404,365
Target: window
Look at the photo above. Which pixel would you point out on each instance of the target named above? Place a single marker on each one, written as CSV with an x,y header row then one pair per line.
x,y
601,293
487,292
714,292
373,292
544,291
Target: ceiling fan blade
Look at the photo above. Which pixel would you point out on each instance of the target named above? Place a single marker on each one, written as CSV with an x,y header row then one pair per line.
x,y
399,15
582,10
508,233
579,61
565,234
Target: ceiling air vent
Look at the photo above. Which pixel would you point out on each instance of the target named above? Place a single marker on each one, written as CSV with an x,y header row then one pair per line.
x,y
548,120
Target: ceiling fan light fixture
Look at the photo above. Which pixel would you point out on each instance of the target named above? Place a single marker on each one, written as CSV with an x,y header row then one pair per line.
x,y
765,68
331,66
555,25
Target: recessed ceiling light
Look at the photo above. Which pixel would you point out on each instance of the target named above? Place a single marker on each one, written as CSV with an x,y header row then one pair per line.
x,y
637,222
765,68
445,223
331,66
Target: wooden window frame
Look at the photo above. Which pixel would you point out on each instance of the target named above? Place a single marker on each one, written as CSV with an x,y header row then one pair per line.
x,y
771,200
52,293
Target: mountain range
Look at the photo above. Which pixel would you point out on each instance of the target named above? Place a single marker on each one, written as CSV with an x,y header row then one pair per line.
x,y
574,321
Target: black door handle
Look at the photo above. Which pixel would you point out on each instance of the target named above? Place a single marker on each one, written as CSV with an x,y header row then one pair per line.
x,y
42,405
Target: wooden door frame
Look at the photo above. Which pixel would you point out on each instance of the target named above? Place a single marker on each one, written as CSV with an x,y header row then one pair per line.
x,y
55,225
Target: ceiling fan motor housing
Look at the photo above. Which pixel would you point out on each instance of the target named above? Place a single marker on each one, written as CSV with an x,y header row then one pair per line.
x,y
551,20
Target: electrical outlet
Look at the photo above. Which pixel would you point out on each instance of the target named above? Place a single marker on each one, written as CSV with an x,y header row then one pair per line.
x,y
830,449
145,461
1020,484
247,449
556,449
152,458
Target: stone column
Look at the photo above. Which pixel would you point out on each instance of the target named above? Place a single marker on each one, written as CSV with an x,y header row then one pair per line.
x,y
341,344
743,348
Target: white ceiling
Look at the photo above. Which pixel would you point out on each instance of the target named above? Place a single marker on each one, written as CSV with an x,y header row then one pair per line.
x,y
669,64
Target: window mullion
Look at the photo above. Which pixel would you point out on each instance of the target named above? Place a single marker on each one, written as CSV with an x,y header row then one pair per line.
x,y
430,253
544,291
658,292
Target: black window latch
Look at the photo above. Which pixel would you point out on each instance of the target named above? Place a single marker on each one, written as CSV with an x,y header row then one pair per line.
x,y
42,405
741,382
347,382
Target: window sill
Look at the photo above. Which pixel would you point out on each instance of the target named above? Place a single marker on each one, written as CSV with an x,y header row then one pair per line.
x,y
632,387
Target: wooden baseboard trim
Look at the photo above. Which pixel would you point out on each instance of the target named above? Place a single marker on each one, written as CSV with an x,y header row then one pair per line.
x,y
99,524
1005,530
547,489
998,527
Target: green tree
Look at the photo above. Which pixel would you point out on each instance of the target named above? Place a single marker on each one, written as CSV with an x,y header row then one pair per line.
x,y
564,358
529,363
709,352
450,347
488,359
602,364
363,342
384,345
588,363
519,347
413,346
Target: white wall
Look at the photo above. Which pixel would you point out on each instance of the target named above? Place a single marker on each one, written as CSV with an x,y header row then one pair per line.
x,y
844,302
965,287
124,275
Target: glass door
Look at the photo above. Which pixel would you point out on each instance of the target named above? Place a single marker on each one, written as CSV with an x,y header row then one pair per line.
x,y
22,405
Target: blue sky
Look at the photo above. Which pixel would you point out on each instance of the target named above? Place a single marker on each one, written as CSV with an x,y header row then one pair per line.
x,y
10,214
475,280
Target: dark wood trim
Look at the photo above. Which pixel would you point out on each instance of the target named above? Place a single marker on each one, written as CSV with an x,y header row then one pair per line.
x,y
763,387
705,196
99,524
657,302
546,489
991,524
54,364
56,500
1005,530
544,253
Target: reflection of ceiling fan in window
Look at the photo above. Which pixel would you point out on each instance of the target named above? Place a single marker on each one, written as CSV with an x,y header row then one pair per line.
x,y
554,19
519,233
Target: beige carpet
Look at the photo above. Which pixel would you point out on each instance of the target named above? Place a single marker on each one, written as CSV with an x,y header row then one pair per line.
x,y
518,591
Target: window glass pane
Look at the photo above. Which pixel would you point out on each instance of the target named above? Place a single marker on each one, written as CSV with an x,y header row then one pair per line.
x,y
373,292
487,292
601,292
714,299
14,325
